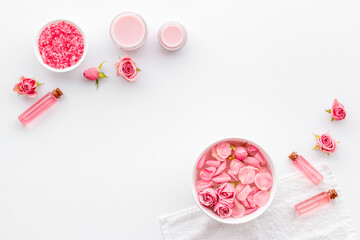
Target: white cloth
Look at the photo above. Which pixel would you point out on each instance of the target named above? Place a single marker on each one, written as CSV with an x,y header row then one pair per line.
x,y
279,222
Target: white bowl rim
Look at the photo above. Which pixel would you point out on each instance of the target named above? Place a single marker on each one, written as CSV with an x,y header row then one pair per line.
x,y
37,52
251,216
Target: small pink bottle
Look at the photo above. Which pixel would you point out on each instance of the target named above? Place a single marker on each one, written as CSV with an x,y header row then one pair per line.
x,y
306,168
316,201
40,106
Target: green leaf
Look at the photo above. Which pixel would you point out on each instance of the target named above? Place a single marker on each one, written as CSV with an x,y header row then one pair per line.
x,y
329,110
97,83
99,68
328,154
317,136
38,84
316,147
102,75
332,119
138,69
235,183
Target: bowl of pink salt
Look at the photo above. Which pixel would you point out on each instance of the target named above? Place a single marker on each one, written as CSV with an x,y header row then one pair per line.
x,y
60,45
234,181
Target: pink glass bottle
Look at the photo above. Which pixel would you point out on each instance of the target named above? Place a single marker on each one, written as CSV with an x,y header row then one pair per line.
x,y
315,202
306,168
40,106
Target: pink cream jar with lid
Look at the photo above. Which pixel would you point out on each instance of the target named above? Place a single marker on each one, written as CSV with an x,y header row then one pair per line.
x,y
128,31
172,36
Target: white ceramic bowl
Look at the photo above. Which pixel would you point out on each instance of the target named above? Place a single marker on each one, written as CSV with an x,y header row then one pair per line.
x,y
37,52
251,216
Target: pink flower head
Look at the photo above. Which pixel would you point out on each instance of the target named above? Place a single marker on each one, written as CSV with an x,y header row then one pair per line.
x,y
223,208
208,197
337,111
226,191
26,86
95,74
126,68
326,143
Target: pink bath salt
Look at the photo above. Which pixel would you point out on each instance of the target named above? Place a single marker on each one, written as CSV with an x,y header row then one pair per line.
x,y
61,45
215,155
260,158
201,162
242,195
238,210
263,180
221,178
249,211
224,150
261,198
201,185
252,162
220,169
212,163
240,153
252,150
235,166
247,175
207,173
233,176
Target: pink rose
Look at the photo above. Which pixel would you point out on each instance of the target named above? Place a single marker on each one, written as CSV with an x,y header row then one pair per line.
x,y
326,143
26,86
95,74
126,68
337,111
223,208
208,197
226,191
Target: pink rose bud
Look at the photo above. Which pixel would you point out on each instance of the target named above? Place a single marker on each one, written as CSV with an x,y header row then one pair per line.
x,y
126,68
326,143
226,191
223,208
240,153
95,74
26,86
208,197
337,111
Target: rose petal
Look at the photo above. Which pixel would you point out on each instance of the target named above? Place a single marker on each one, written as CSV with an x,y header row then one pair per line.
x,y
250,200
260,158
263,180
215,155
201,185
212,163
235,166
247,175
221,178
245,203
224,149
239,187
244,193
240,153
254,190
201,162
252,150
261,198
249,211
233,176
238,210
220,169
207,173
252,162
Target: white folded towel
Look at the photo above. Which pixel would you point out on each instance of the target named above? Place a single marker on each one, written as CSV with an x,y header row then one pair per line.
x,y
279,222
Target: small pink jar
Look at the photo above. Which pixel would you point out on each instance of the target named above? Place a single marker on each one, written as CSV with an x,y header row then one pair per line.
x,y
172,36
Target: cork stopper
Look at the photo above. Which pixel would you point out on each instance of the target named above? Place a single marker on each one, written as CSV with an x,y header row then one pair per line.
x,y
293,156
332,194
57,93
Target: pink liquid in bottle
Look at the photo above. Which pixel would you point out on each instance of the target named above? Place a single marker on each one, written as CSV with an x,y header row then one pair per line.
x,y
306,168
315,202
40,106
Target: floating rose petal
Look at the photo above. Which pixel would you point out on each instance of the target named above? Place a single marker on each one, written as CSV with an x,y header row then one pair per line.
x,y
247,175
215,155
224,149
201,162
220,169
221,178
233,176
252,162
250,200
239,187
254,190
263,180
207,173
238,210
240,153
261,198
260,157
235,166
245,203
201,184
252,150
249,211
244,193
212,163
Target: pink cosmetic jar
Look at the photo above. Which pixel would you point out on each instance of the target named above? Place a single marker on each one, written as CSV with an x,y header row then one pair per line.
x,y
128,31
172,36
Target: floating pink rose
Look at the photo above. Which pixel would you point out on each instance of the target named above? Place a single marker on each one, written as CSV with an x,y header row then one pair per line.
x,y
326,143
94,74
126,68
26,86
337,111
208,197
223,208
226,191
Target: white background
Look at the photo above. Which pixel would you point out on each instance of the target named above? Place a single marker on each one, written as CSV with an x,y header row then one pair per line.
x,y
105,164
